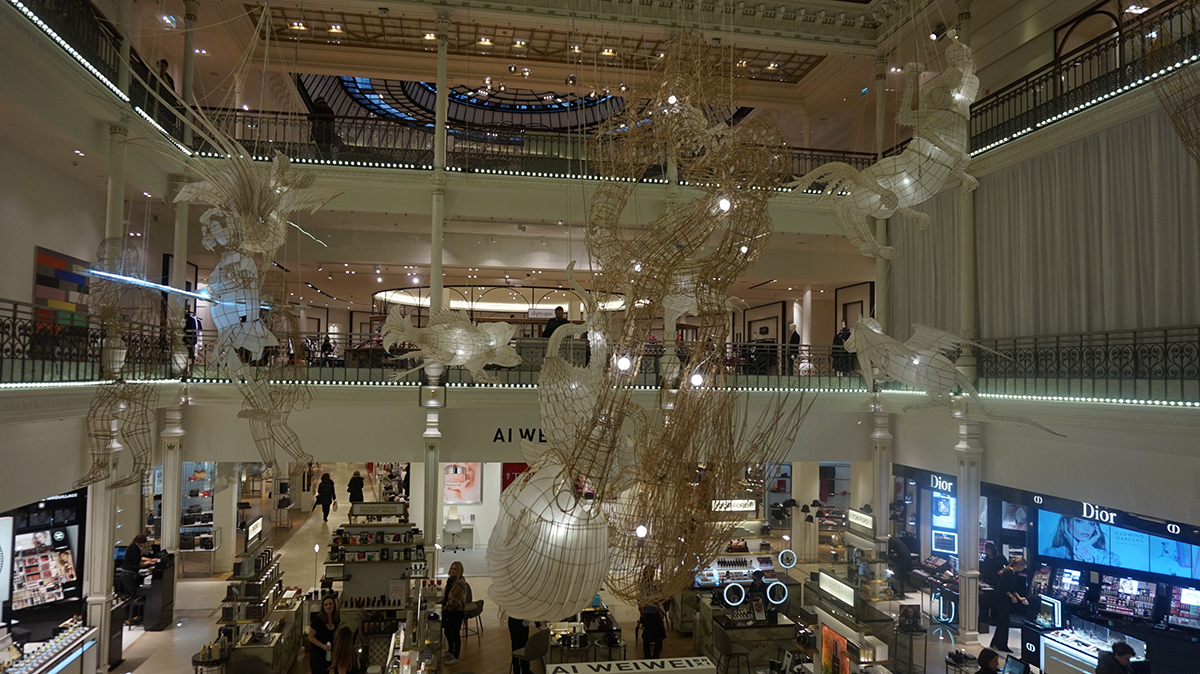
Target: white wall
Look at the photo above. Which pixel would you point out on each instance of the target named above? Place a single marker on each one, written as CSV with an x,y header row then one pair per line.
x,y
41,206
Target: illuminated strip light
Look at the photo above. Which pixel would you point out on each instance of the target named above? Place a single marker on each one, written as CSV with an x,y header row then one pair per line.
x,y
501,307
67,48
147,284
182,148
1079,108
74,656
69,384
1078,399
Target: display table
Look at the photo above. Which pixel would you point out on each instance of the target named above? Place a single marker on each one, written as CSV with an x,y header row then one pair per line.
x,y
71,652
158,610
762,639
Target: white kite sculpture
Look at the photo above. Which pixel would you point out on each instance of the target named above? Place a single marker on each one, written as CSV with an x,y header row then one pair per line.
x,y
921,363
938,150
453,340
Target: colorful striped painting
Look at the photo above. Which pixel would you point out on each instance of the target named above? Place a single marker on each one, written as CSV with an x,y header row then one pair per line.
x,y
59,289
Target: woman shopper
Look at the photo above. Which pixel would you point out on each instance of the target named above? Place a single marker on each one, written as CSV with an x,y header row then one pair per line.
x,y
989,662
355,488
454,607
345,655
321,636
326,495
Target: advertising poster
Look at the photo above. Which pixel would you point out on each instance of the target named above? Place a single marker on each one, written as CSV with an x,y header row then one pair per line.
x,y
834,659
944,516
1067,537
1015,517
510,472
1171,558
462,483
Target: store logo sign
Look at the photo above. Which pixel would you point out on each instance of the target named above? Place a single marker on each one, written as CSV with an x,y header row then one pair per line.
x,y
862,520
940,483
1091,512
735,505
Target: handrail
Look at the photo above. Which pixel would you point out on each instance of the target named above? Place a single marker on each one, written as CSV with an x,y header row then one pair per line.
x,y
1153,45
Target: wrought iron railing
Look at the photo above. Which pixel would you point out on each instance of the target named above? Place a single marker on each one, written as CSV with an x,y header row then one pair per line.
x,y
1108,66
44,345
1154,365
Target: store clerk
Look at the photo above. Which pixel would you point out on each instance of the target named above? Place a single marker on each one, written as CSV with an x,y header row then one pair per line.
x,y
131,563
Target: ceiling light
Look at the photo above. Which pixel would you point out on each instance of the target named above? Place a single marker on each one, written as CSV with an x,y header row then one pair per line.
x,y
772,66
623,363
146,194
245,107
79,153
622,88
512,68
571,80
608,51
430,36
379,279
742,63
172,23
1132,9
519,43
485,40
640,531
743,249
335,28
297,25
697,379
723,204
501,87
198,50
575,48
526,72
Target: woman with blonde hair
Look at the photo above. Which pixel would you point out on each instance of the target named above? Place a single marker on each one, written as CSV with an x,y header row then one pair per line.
x,y
454,607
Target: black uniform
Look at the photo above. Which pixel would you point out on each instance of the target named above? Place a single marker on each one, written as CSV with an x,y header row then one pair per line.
x,y
1006,580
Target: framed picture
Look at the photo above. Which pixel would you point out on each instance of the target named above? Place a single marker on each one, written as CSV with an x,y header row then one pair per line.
x,y
764,328
462,483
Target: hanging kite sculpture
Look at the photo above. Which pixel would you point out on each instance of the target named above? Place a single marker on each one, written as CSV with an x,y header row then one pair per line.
x,y
249,219
939,149
123,407
923,362
693,447
453,340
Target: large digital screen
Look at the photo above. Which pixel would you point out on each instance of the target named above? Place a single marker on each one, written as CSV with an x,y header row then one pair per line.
x,y
1172,558
1068,585
1185,607
1015,517
1127,596
944,515
1085,540
43,567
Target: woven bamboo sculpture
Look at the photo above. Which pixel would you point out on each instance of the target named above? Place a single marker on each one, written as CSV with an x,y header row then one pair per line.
x,y
451,339
621,471
938,150
924,362
249,219
1179,93
123,405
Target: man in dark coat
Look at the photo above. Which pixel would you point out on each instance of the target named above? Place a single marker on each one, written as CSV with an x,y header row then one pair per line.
x,y
355,488
554,323
1117,661
323,118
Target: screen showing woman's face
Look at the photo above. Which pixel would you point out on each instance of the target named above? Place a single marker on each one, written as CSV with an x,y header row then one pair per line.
x,y
1082,529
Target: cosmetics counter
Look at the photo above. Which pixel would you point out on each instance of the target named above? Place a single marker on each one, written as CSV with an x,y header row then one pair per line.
x,y
71,651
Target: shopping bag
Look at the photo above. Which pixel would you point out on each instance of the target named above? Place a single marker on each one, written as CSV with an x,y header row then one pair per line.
x,y
335,506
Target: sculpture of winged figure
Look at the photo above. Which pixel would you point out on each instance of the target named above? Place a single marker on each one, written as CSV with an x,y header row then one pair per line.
x,y
939,149
922,363
453,340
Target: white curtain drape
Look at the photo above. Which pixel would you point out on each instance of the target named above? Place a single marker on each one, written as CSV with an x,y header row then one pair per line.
x,y
1101,234
924,274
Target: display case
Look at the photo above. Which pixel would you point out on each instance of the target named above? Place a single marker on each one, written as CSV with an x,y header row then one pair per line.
x,y
282,505
196,510
71,651
1077,647
261,616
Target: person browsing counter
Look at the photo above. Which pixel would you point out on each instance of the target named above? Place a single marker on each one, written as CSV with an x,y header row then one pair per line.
x,y
1005,597
1116,661
454,606
989,662
321,635
131,562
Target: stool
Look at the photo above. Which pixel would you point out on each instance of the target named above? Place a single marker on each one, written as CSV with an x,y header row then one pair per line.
x,y
599,645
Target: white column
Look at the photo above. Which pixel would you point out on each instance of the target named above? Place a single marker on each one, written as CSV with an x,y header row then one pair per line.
x,y
172,444
881,456
806,316
439,171
968,288
806,487
178,279
114,219
189,60
433,486
124,23
969,452
98,566
881,234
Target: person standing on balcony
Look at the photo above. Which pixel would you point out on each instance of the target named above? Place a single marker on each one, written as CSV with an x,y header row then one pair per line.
x,y
166,78
191,326
554,323
323,119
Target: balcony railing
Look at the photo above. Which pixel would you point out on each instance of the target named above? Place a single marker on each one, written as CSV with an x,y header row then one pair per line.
x,y
1160,365
42,345
1151,46
363,141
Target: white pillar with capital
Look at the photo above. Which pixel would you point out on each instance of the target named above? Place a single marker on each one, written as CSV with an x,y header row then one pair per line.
x,y
968,286
172,497
969,452
98,564
881,225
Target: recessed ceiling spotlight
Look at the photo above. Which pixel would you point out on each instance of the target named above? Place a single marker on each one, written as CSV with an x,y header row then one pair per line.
x,y
430,36
335,28
485,41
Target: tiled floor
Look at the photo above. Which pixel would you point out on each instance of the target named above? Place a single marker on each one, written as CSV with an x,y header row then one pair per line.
x,y
198,602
